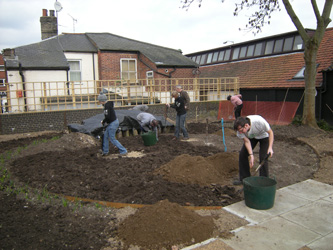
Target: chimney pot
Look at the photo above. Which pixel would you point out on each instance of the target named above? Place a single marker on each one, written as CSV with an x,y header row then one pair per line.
x,y
44,12
51,12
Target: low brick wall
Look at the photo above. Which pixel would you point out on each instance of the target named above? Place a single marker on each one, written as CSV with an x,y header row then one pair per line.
x,y
58,120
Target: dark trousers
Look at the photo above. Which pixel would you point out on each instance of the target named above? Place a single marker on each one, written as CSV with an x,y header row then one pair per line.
x,y
238,110
244,166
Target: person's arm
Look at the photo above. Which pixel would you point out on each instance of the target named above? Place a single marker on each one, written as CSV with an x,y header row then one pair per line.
x,y
248,146
270,142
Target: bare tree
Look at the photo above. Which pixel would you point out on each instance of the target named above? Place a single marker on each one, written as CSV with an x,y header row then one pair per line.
x,y
311,40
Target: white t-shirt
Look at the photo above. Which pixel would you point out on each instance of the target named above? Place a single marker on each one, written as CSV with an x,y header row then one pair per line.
x,y
258,130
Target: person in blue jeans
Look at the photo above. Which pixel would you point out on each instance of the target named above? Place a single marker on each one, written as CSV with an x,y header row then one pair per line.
x,y
179,105
112,123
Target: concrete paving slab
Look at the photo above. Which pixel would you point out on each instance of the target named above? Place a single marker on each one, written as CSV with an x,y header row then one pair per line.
x,y
316,216
325,243
275,234
310,189
285,202
328,198
251,215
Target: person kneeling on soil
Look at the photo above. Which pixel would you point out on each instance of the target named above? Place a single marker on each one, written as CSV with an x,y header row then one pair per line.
x,y
253,129
148,122
112,123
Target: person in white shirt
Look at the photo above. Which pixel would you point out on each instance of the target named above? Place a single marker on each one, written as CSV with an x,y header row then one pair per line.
x,y
253,129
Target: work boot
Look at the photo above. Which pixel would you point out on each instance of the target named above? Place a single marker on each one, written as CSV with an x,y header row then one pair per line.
x,y
237,182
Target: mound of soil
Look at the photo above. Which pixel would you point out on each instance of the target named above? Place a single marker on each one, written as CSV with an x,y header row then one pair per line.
x,y
155,234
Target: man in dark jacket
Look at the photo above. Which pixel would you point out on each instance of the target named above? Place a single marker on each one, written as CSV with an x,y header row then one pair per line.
x,y
184,95
112,123
179,105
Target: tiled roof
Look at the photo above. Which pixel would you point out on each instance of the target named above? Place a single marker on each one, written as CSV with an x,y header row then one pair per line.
x,y
274,71
157,54
49,53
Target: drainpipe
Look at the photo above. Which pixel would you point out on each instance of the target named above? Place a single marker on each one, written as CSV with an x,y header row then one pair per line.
x,y
23,86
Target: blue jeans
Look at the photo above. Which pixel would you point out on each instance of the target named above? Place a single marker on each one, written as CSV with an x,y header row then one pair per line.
x,y
180,125
110,133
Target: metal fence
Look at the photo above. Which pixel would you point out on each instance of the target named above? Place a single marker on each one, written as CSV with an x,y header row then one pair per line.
x,y
47,96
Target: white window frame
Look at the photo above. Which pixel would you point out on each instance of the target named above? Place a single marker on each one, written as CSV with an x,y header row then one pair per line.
x,y
128,72
76,71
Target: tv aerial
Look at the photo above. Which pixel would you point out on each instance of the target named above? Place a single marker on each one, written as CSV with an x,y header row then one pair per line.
x,y
57,6
74,21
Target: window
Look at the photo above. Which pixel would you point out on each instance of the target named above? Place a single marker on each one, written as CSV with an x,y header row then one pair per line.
x,y
75,71
209,58
215,56
2,67
278,45
235,53
300,74
2,82
298,43
198,59
288,44
258,49
242,52
203,59
128,69
227,55
221,56
269,47
250,50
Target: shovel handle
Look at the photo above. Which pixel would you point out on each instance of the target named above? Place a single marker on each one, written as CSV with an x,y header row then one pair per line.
x,y
262,163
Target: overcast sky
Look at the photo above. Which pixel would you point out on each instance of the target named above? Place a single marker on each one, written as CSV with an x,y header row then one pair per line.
x,y
160,22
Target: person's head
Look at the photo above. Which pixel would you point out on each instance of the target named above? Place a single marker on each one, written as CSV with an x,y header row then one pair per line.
x,y
242,124
179,88
102,98
174,94
154,123
228,97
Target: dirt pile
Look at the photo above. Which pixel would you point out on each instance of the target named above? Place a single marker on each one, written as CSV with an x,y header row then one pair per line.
x,y
165,224
204,171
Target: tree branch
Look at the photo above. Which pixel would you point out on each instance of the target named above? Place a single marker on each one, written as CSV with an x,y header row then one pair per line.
x,y
295,20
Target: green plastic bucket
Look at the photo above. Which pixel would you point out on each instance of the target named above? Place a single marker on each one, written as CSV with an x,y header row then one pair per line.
x,y
149,138
259,192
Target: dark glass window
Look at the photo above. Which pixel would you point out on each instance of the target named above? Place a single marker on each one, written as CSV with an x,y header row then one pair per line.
x,y
288,44
250,51
221,55
242,52
258,49
278,45
269,47
235,53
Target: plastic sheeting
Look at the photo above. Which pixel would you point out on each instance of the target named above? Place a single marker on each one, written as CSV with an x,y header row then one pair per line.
x,y
127,121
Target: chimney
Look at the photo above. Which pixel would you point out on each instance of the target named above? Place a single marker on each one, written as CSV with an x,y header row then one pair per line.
x,y
48,24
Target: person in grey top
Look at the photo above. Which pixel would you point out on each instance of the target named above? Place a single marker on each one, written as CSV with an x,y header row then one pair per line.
x,y
253,129
148,122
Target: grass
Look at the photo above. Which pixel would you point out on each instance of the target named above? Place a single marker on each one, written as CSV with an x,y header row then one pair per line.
x,y
8,185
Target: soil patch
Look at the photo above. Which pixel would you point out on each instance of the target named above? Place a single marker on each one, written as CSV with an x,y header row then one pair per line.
x,y
171,177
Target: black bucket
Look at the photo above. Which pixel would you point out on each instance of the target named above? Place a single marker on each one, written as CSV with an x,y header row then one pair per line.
x,y
259,192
